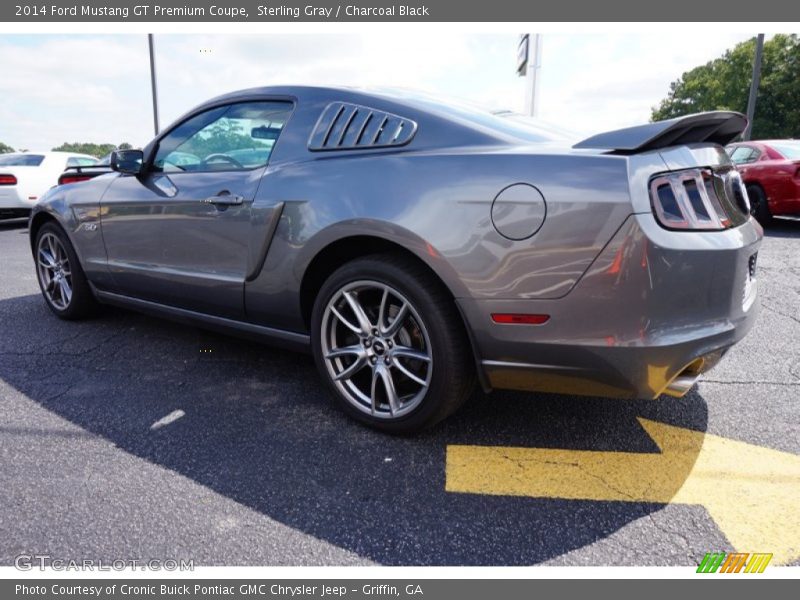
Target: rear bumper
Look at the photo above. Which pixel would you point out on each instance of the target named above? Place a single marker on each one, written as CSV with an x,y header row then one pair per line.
x,y
654,305
10,200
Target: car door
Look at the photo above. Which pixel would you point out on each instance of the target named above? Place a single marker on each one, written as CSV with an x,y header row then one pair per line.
x,y
178,234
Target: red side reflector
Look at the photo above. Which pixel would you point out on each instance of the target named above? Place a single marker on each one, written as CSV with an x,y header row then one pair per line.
x,y
519,319
8,180
72,179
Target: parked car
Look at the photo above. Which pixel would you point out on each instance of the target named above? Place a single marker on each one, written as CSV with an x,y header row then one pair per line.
x,y
771,172
415,245
78,173
26,176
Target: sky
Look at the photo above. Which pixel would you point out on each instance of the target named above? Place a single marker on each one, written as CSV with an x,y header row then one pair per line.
x,y
96,88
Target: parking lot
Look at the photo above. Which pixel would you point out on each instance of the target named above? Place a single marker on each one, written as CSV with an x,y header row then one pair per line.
x,y
127,437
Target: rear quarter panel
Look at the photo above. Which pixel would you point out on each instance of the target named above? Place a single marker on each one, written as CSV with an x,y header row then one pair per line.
x,y
437,203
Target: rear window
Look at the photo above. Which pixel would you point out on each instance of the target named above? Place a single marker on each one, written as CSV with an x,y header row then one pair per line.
x,y
743,154
21,160
81,161
788,150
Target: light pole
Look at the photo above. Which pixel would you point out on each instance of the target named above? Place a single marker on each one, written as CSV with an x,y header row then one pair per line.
x,y
529,61
153,81
756,80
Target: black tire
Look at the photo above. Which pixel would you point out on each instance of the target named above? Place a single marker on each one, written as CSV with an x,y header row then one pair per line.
x,y
759,207
452,376
82,303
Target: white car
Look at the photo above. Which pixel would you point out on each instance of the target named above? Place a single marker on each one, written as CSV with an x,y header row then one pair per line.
x,y
26,176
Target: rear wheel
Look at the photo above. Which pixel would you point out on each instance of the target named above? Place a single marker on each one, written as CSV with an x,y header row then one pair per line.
x,y
759,207
389,342
61,279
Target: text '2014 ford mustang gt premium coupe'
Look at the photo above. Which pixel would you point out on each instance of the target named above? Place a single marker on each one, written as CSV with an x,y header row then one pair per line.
x,y
418,246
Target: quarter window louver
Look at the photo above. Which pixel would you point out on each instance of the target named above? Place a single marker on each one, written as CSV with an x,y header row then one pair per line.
x,y
345,126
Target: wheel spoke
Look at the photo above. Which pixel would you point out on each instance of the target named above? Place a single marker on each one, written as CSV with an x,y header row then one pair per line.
x,y
391,393
358,311
358,364
66,290
53,249
49,261
346,351
373,390
382,310
397,322
345,322
406,352
348,373
409,374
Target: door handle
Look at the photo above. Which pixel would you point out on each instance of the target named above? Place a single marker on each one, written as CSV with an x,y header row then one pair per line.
x,y
224,198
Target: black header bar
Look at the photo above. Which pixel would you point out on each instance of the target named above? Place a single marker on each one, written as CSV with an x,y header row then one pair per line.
x,y
263,11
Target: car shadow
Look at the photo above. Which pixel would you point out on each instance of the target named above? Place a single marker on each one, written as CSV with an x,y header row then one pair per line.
x,y
259,428
783,227
9,224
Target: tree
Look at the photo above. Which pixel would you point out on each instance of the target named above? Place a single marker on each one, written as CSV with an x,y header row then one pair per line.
x,y
222,136
4,148
90,148
724,84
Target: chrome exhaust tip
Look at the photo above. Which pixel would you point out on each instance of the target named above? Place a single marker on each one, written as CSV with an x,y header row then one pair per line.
x,y
681,385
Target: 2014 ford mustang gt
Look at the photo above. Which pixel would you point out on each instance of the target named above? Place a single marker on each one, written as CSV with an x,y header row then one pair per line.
x,y
418,246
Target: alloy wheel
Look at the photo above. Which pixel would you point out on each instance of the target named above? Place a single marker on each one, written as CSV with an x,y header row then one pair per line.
x,y
376,349
55,273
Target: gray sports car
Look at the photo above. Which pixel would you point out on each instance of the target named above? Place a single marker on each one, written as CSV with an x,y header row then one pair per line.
x,y
416,246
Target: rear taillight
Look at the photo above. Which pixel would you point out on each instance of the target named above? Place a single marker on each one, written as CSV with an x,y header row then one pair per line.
x,y
8,180
65,179
699,199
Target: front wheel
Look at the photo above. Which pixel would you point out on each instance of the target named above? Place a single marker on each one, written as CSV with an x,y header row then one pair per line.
x,y
388,340
61,279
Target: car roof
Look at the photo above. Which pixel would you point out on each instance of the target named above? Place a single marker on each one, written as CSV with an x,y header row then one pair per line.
x,y
55,154
765,142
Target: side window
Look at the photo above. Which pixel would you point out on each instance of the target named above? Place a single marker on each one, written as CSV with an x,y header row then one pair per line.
x,y
744,154
227,138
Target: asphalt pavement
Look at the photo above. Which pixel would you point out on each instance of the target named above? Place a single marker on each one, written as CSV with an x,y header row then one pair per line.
x,y
129,437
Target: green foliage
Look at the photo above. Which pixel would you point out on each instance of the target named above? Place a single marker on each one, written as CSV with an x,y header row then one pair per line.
x,y
96,150
221,137
724,84
4,148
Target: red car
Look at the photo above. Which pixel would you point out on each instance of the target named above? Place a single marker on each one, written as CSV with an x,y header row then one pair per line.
x,y
771,172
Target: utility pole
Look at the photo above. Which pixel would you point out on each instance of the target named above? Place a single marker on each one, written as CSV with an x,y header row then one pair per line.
x,y
153,81
529,61
756,80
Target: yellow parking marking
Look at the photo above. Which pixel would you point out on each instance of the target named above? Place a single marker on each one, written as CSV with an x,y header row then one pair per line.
x,y
751,492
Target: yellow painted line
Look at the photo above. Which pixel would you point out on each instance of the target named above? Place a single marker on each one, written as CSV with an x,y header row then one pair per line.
x,y
751,492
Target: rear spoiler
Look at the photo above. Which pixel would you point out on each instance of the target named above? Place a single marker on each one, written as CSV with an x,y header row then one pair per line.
x,y
716,127
82,173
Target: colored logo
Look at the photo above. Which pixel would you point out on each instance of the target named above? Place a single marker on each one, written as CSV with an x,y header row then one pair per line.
x,y
734,562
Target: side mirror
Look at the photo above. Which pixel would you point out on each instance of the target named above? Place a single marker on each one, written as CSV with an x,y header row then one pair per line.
x,y
127,161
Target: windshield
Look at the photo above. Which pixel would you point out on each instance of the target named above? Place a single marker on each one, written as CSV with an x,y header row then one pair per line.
x,y
790,150
21,160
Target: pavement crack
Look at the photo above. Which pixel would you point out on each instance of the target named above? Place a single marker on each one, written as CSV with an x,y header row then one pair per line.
x,y
778,312
751,382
